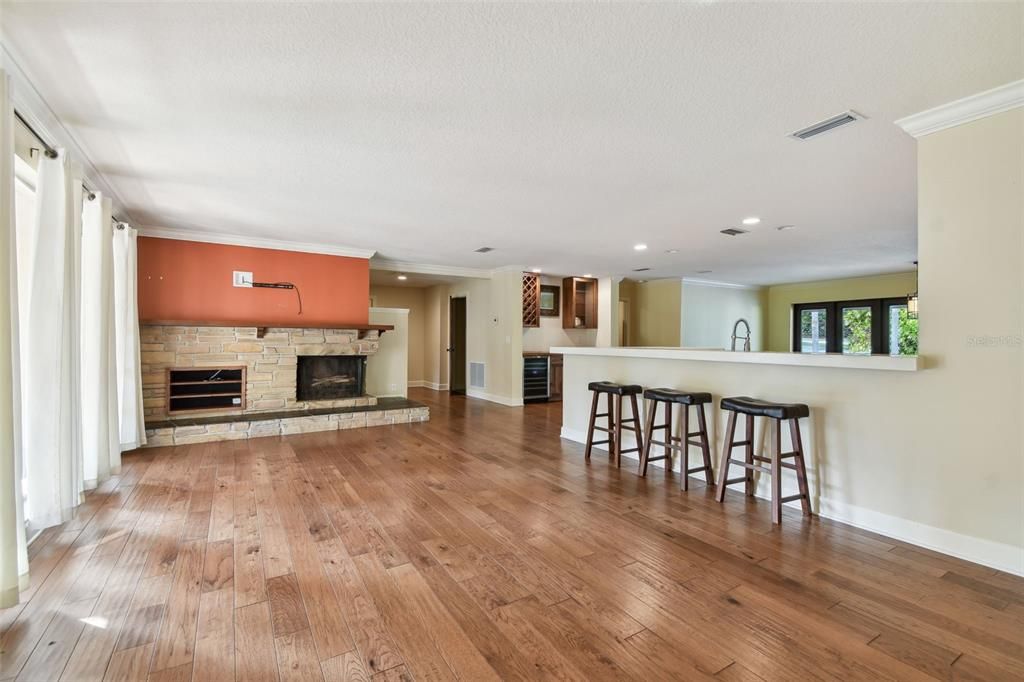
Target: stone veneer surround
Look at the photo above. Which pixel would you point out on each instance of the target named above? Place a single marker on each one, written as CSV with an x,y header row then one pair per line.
x,y
270,362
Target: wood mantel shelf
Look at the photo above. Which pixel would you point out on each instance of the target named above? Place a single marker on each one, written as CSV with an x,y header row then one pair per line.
x,y
262,327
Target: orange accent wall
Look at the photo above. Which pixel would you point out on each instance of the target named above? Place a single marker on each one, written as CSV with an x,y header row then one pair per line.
x,y
181,280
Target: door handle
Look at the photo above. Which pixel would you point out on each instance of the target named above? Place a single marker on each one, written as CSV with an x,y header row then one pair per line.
x,y
450,350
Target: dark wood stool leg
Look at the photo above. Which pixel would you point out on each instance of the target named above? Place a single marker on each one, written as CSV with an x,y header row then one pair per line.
x,y
593,419
775,434
684,465
801,470
645,453
668,435
749,449
705,445
636,424
618,430
610,399
723,471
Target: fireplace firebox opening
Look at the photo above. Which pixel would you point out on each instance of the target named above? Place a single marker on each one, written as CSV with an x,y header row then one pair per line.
x,y
330,377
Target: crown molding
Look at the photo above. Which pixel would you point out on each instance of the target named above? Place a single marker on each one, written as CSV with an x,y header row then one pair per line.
x,y
254,242
428,269
721,285
33,107
965,110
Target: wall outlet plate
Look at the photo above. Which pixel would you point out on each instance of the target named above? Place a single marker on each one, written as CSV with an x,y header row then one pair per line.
x,y
241,279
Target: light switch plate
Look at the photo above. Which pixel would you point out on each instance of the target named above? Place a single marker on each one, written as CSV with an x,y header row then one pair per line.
x,y
241,279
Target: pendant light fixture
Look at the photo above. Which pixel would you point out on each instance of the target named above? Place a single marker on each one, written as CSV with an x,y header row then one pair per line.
x,y
912,302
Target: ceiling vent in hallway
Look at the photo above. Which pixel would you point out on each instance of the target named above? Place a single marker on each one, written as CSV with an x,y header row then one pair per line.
x,y
826,125
640,269
484,249
733,231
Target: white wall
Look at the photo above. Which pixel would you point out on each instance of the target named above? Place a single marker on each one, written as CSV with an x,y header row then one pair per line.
x,y
934,457
709,312
494,325
387,370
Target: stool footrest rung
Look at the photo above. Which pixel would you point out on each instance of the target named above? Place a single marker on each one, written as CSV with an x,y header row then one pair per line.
x,y
751,467
792,498
738,443
731,481
600,442
606,414
663,444
696,469
601,428
629,450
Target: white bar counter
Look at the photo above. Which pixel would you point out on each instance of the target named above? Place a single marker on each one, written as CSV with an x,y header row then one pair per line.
x,y
909,363
871,419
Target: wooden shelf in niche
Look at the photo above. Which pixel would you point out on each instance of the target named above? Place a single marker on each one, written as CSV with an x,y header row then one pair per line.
x,y
579,303
192,389
531,300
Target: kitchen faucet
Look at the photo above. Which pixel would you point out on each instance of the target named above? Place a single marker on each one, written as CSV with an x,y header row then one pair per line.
x,y
746,339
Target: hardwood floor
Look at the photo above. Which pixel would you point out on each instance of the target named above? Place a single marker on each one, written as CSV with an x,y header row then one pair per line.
x,y
479,546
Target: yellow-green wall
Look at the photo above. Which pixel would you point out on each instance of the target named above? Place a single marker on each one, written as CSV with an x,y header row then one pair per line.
x,y
654,311
782,297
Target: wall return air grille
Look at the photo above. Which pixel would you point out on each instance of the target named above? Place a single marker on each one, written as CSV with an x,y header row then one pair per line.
x,y
828,124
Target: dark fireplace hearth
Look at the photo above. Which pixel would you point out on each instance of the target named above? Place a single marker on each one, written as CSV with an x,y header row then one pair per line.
x,y
329,377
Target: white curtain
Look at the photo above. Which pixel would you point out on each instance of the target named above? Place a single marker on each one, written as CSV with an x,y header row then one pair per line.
x,y
13,551
101,440
51,405
126,319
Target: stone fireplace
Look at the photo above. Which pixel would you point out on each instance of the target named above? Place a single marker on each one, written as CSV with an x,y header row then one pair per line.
x,y
329,377
270,358
294,380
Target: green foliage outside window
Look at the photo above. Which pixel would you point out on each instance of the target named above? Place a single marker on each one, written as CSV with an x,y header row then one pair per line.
x,y
857,330
907,333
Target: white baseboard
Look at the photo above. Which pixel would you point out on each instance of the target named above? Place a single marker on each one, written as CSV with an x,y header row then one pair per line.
x,y
978,550
428,384
500,399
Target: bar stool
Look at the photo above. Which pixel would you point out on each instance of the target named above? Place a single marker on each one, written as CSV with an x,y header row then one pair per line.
x,y
670,398
615,393
775,413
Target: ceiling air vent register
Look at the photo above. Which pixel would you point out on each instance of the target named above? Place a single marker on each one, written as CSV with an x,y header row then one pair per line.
x,y
484,249
826,125
733,231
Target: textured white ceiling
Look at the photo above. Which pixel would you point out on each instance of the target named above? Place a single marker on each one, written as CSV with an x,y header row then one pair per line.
x,y
558,134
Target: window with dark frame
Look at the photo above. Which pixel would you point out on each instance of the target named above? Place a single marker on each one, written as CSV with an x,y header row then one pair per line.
x,y
876,326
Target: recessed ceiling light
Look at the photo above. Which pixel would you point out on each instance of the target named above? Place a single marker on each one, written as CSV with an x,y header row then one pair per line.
x,y
402,277
671,250
588,275
640,247
783,228
752,220
536,271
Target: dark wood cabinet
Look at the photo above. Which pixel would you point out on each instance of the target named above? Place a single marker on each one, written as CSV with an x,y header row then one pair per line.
x,y
579,303
555,377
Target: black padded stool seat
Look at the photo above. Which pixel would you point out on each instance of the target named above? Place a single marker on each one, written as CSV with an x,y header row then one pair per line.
x,y
670,395
616,389
766,408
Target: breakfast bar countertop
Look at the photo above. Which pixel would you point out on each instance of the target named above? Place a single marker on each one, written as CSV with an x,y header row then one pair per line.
x,y
905,363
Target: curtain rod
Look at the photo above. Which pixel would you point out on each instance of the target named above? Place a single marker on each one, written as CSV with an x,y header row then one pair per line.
x,y
51,152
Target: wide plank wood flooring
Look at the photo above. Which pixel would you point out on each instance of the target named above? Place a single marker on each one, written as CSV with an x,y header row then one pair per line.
x,y
479,546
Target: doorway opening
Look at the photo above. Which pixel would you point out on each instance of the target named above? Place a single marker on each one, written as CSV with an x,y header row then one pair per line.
x,y
457,345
